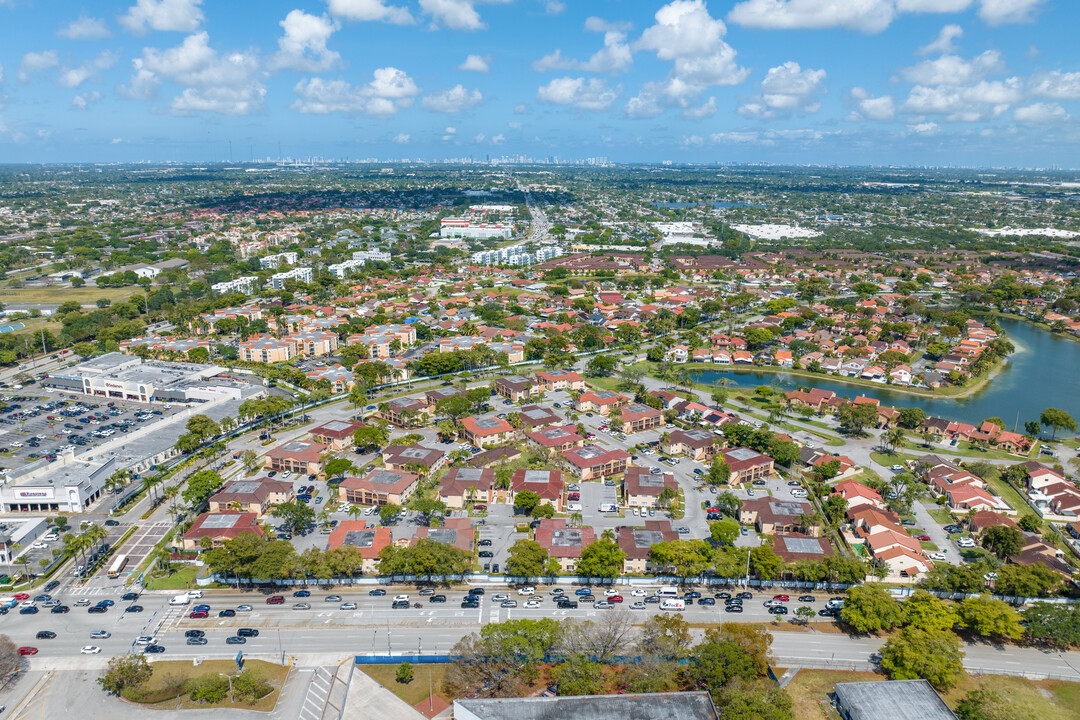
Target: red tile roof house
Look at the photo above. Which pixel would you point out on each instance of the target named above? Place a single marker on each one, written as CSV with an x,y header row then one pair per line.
x,y
220,527
483,432
591,461
534,417
552,440
637,542
965,497
405,412
369,540
459,484
600,401
792,547
413,458
813,399
296,456
774,515
1039,476
638,417
985,519
642,488
253,496
548,484
457,532
514,388
336,434
747,465
378,487
858,494
695,443
563,543
551,380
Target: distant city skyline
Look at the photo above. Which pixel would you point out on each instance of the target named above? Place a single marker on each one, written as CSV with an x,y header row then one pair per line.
x,y
968,83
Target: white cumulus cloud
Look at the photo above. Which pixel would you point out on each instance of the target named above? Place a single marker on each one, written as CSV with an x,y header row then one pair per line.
x,y
869,107
554,7
786,89
1002,12
591,94
402,138
452,100
1055,85
868,16
390,90
615,57
1040,114
943,44
89,70
33,62
85,28
455,14
954,70
370,11
303,46
163,15
476,63
84,100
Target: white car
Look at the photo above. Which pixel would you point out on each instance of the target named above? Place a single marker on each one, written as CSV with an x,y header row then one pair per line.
x,y
532,604
965,542
937,556
639,605
194,593
896,468
401,597
100,635
639,593
40,545
145,640
499,597
526,591
611,592
574,507
90,650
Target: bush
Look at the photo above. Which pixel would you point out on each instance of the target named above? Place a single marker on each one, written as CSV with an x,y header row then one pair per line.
x,y
404,673
249,688
209,688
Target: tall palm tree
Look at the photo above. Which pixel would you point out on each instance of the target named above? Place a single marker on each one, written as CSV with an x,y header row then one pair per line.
x,y
894,438
355,511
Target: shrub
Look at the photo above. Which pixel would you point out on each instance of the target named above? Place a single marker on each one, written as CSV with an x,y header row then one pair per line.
x,y
209,688
249,688
404,673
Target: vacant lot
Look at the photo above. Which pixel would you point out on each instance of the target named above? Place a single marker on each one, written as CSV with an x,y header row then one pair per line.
x,y
413,692
170,676
810,692
57,295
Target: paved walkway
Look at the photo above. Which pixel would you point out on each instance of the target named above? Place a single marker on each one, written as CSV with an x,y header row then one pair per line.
x,y
368,700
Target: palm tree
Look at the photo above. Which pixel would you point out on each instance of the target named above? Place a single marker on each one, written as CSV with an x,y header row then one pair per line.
x,y
894,438
355,511
576,519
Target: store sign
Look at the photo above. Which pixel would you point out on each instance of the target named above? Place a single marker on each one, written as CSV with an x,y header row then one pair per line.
x,y
34,493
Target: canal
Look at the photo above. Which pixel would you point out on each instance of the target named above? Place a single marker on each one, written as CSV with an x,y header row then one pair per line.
x,y
1043,372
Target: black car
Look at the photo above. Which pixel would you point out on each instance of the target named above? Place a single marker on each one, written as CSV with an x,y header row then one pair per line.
x,y
235,640
476,591
778,610
400,604
745,595
733,608
722,595
248,632
45,635
707,601
692,595
196,641
112,523
829,612
733,601
485,543
31,610
301,593
470,603
653,599
52,585
377,592
133,609
154,649
129,596
60,609
566,605
806,598
97,610
437,599
226,613
195,633
486,553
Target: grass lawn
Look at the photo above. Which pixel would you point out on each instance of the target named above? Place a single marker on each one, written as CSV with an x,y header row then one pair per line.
x,y
810,691
415,691
182,579
1007,492
929,546
890,459
169,677
941,515
605,383
54,295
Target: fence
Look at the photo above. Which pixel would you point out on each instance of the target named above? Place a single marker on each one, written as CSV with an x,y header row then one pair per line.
x,y
395,659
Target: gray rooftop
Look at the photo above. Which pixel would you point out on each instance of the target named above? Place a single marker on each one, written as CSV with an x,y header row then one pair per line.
x,y
588,452
537,413
446,536
416,453
637,408
788,507
668,706
699,434
360,538
489,423
605,394
651,480
468,474
220,522
296,446
808,546
647,538
743,454
537,476
336,425
554,433
243,487
892,700
383,477
566,537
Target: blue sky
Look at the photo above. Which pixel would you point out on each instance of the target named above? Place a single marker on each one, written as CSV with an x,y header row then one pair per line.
x,y
936,82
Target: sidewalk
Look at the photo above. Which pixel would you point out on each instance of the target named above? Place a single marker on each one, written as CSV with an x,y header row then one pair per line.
x,y
368,700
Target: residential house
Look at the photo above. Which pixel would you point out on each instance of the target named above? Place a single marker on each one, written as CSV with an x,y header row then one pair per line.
x,y
460,485
298,456
404,412
642,487
336,434
514,388
219,527
551,380
563,543
637,417
369,540
772,515
455,532
251,496
747,465
413,458
636,543
482,432
592,461
553,440
534,417
602,402
793,547
858,494
548,484
694,443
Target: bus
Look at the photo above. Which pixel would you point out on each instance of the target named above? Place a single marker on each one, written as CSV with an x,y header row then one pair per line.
x,y
117,566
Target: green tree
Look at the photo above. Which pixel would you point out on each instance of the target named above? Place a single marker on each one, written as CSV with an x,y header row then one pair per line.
x,y
1053,624
404,673
601,366
934,656
601,558
388,512
125,671
719,471
686,557
1004,541
209,688
856,418
200,486
1057,420
577,675
984,703
870,608
1035,580
728,503
339,467
715,664
990,617
525,501
724,531
296,516
503,659
928,612
368,437
427,507
527,558
766,563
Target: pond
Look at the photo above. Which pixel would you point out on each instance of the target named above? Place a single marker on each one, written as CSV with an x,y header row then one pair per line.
x,y
1043,372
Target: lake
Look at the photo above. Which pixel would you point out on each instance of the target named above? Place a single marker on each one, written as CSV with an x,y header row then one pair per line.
x,y
1043,372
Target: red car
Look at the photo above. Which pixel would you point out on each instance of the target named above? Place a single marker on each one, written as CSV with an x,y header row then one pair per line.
x,y
615,598
199,614
923,538
275,600
573,496
781,598
22,596
479,507
28,651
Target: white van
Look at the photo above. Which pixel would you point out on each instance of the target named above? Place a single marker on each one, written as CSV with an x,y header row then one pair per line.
x,y
180,599
672,604
667,591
